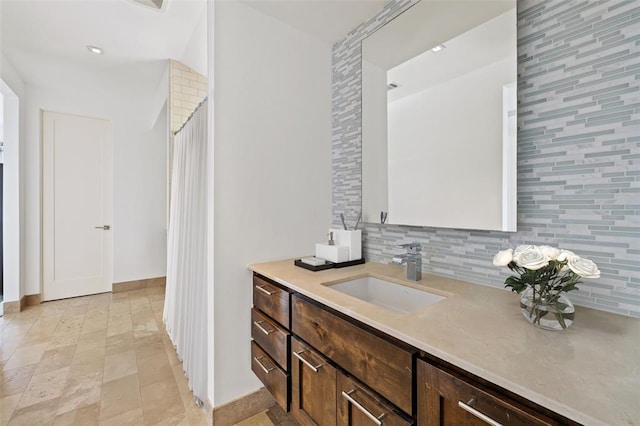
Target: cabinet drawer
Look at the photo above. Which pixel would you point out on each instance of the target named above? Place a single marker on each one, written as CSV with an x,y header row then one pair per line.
x,y
380,364
274,379
446,399
271,337
272,300
313,387
359,406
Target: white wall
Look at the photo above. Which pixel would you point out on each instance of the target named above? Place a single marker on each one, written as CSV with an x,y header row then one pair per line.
x,y
139,180
195,52
272,168
12,89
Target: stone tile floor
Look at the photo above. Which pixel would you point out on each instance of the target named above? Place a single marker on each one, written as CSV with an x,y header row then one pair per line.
x,y
274,416
96,360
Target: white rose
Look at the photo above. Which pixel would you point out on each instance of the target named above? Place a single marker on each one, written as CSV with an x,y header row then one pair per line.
x,y
532,258
519,250
564,255
503,258
583,267
551,252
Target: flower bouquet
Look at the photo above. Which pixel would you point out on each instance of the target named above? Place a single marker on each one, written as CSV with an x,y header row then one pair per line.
x,y
544,276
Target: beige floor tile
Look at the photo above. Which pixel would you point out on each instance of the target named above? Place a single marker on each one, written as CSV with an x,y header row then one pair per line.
x,y
120,396
181,380
144,328
94,340
64,338
91,326
119,365
26,355
35,337
96,313
81,391
154,369
20,341
103,357
7,406
116,315
85,416
44,387
175,420
43,413
195,414
87,362
120,307
54,359
128,418
147,346
16,330
171,354
71,322
261,419
120,343
15,381
157,306
119,326
6,349
160,401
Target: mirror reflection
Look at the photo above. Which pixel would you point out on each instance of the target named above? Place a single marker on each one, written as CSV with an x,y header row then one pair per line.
x,y
439,117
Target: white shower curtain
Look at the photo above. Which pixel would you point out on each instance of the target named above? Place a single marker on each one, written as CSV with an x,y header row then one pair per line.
x,y
185,307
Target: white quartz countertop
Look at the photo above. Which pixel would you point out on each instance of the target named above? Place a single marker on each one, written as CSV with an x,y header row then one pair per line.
x,y
589,372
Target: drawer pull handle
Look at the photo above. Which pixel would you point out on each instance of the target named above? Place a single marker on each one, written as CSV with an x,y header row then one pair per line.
x,y
264,330
311,366
376,420
469,409
264,290
261,364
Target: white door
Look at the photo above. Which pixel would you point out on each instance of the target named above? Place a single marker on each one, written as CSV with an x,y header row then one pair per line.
x,y
77,206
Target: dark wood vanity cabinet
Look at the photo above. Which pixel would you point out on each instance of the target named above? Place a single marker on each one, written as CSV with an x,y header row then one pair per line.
x,y
343,374
445,398
331,370
271,338
382,365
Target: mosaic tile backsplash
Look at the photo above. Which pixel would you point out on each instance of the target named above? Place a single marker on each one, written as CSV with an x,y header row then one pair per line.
x,y
578,150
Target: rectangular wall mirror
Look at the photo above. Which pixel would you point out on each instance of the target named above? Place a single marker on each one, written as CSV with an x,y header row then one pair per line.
x,y
439,102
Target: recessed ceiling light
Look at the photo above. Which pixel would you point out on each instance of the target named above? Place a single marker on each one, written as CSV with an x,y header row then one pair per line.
x,y
95,50
438,47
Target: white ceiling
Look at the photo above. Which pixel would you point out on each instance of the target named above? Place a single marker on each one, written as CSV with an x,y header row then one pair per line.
x,y
328,20
45,40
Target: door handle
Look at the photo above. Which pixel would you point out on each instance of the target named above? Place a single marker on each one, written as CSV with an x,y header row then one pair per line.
x,y
468,408
105,227
348,396
314,368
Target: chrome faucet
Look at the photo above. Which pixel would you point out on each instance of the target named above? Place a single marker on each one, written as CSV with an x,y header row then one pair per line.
x,y
413,259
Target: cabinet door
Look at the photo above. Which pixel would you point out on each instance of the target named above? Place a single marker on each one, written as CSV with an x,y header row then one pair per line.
x,y
380,364
357,405
445,399
313,387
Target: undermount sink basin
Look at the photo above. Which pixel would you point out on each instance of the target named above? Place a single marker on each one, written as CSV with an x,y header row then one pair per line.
x,y
386,294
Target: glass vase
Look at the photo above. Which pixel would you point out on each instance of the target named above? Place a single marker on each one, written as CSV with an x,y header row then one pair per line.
x,y
549,312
